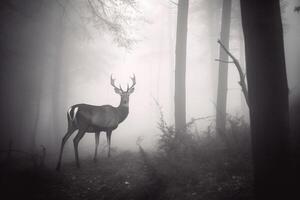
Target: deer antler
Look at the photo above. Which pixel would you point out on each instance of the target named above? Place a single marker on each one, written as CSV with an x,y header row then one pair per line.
x,y
112,82
121,88
133,83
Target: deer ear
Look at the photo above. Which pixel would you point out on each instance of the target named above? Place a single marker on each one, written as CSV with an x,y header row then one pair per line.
x,y
131,90
118,91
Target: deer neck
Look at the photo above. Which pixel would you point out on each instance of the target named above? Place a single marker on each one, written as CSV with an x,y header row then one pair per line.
x,y
123,112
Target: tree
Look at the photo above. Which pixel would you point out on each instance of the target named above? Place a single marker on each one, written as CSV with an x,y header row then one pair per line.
x,y
223,69
116,17
268,97
212,14
180,66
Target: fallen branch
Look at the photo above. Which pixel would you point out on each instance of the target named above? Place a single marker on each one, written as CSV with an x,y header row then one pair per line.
x,y
242,81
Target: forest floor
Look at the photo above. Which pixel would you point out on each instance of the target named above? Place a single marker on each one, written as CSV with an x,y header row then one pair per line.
x,y
124,176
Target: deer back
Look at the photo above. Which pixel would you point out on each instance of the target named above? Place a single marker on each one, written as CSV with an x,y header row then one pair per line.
x,y
102,117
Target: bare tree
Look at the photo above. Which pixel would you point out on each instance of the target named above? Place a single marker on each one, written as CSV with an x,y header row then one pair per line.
x,y
223,69
180,66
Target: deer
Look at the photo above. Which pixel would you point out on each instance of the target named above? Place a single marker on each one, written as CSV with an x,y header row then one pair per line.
x,y
95,119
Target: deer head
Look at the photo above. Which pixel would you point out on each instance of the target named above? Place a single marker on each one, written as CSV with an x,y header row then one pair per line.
x,y
124,94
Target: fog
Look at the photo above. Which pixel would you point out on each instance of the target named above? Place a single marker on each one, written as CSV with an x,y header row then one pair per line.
x,y
66,60
193,99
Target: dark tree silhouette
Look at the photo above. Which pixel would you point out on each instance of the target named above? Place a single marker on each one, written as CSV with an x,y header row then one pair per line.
x,y
180,65
268,97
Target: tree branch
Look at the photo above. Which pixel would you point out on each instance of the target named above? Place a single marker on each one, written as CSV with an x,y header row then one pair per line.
x,y
174,3
242,81
193,120
223,61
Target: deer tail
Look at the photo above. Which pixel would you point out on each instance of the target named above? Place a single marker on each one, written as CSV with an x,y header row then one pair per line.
x,y
71,115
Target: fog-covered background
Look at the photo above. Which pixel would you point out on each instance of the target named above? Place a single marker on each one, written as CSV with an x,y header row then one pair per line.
x,y
54,55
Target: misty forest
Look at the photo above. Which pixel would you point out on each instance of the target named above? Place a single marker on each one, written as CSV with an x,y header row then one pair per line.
x,y
150,99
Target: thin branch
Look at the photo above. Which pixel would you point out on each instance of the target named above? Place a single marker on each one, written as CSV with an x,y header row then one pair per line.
x,y
193,120
174,3
242,81
201,118
113,16
224,61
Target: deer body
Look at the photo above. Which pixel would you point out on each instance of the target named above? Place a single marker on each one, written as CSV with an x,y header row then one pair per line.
x,y
94,119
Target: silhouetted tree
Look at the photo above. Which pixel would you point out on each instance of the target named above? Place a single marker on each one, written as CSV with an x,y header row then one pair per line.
x,y
268,97
223,69
180,66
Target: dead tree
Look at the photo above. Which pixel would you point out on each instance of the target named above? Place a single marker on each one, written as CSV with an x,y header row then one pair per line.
x,y
242,81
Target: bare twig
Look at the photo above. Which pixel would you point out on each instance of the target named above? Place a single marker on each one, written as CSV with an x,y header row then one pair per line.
x,y
174,3
115,17
242,81
193,120
223,61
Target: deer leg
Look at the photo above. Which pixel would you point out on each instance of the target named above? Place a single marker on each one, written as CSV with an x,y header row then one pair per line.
x,y
64,140
108,136
76,140
97,144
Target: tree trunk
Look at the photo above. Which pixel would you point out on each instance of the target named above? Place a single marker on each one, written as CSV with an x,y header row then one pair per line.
x,y
56,85
56,35
244,106
180,66
223,69
213,32
35,125
268,97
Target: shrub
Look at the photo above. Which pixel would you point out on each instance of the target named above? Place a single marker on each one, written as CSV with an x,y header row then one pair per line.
x,y
199,165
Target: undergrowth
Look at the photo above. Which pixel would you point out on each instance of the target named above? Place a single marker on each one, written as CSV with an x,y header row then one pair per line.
x,y
201,165
196,165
